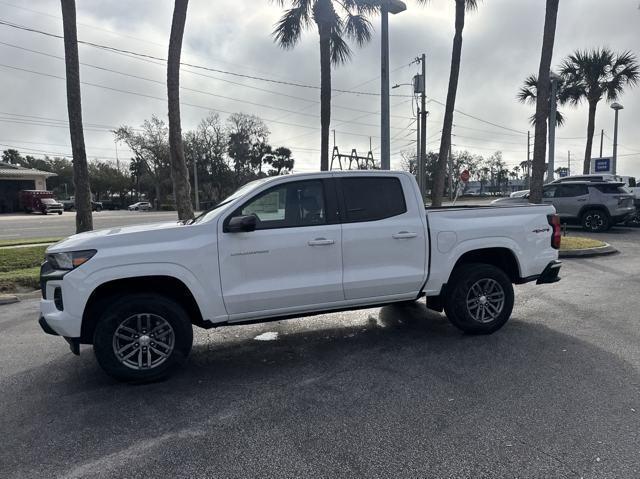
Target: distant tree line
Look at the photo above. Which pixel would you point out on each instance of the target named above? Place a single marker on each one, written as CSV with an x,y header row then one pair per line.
x,y
227,155
492,173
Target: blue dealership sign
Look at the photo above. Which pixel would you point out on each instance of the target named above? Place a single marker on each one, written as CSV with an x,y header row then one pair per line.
x,y
601,165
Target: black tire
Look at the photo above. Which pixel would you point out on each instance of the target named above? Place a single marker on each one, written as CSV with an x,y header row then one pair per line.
x,y
596,221
149,307
44,212
59,212
465,281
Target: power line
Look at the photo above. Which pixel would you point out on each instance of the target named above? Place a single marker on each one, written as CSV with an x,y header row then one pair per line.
x,y
151,80
130,75
252,77
144,95
216,70
479,119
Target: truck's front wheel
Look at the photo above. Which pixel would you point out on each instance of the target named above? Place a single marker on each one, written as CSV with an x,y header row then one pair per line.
x,y
142,337
478,298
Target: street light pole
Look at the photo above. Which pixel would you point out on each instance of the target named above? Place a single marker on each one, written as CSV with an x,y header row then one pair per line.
x,y
552,124
195,184
423,126
617,107
386,7
385,142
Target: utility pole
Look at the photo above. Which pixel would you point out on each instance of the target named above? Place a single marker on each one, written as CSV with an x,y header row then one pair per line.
x,y
419,169
423,125
601,141
569,163
115,142
195,183
450,172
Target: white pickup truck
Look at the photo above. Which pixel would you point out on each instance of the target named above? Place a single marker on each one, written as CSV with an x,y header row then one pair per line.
x,y
290,246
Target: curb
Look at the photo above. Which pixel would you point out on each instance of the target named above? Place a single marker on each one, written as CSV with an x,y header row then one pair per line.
x,y
588,252
17,297
8,299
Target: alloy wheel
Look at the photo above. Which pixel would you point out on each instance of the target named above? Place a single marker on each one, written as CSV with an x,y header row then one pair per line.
x,y
143,341
485,300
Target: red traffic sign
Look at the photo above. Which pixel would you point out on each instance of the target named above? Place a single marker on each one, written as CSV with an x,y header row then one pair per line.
x,y
465,175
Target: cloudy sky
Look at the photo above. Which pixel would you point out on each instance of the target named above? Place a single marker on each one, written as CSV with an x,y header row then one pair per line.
x,y
501,47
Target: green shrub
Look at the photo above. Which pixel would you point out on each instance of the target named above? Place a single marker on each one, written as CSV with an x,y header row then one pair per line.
x,y
26,278
21,258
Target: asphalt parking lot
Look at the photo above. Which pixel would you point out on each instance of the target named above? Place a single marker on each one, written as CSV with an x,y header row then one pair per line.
x,y
390,392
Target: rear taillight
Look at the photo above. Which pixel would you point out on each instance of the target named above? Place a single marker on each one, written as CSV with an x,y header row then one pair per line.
x,y
556,236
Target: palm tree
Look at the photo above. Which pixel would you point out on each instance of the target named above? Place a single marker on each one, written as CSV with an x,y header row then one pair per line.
x,y
462,6
332,29
528,94
84,219
592,75
542,102
179,172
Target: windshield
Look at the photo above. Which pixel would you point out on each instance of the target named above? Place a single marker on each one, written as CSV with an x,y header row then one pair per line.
x,y
48,201
208,214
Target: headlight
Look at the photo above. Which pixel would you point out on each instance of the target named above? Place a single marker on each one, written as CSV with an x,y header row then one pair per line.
x,y
71,259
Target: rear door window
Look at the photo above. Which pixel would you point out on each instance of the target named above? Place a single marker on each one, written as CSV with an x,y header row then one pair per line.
x,y
372,199
571,191
612,189
549,192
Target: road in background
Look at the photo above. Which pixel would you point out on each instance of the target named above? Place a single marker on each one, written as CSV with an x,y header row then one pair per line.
x,y
25,226
390,392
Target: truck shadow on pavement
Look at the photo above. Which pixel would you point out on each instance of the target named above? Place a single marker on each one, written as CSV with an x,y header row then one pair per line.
x,y
400,386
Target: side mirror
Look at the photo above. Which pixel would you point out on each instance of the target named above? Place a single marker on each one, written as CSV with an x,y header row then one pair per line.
x,y
242,224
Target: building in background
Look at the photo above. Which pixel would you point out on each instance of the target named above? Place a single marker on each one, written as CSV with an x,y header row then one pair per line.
x,y
14,178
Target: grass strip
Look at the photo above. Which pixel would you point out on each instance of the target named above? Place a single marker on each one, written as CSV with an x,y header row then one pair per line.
x,y
23,241
570,243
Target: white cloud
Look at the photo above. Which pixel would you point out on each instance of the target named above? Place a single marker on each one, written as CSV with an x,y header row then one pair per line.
x,y
501,46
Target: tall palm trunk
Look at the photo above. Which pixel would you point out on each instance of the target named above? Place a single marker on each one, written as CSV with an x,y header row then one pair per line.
x,y
179,172
84,220
325,94
445,141
542,102
591,125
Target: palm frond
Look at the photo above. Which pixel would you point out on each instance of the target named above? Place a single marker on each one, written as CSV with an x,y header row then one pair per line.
x,y
340,51
289,28
529,91
358,28
471,5
597,73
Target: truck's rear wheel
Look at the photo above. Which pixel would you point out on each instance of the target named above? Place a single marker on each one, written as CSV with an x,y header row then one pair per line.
x,y
142,337
478,298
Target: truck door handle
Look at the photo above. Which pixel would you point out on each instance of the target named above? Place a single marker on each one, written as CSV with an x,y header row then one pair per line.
x,y
404,235
321,242
582,199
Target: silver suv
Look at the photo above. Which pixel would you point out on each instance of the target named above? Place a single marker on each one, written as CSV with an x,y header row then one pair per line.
x,y
596,205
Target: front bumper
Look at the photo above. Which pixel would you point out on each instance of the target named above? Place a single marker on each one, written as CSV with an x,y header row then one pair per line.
x,y
550,273
74,343
61,320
